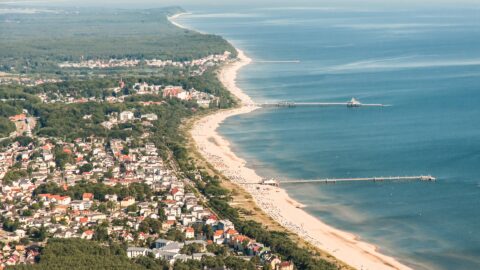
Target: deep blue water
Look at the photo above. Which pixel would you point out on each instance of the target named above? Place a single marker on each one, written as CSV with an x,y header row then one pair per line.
x,y
423,61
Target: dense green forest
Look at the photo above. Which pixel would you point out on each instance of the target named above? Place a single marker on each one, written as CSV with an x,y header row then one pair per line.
x,y
6,127
81,254
37,42
78,254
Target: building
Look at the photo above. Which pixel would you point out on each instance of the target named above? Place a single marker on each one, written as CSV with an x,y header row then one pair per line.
x,y
133,252
126,116
87,197
127,201
189,233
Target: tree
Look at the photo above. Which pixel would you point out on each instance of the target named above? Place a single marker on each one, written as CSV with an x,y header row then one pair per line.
x,y
86,168
10,225
101,233
191,248
218,250
150,225
175,235
39,234
161,214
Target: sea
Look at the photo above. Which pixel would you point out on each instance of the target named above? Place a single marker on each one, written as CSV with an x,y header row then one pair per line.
x,y
422,60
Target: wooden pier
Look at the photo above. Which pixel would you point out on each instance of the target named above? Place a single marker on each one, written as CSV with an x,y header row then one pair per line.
x,y
370,179
352,103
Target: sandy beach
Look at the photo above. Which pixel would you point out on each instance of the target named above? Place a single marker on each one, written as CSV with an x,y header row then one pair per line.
x,y
173,17
272,200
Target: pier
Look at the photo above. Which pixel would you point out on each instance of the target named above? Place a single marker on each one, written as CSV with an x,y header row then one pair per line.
x,y
428,178
352,103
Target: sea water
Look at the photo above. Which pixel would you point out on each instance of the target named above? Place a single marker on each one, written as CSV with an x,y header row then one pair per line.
x,y
425,62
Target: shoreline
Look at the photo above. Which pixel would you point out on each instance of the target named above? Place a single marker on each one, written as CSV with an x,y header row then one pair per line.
x,y
274,201
173,17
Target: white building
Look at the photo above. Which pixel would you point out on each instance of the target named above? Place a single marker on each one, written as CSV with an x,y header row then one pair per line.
x,y
126,116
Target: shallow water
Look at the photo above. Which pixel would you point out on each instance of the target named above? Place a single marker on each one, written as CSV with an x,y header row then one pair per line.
x,y
425,62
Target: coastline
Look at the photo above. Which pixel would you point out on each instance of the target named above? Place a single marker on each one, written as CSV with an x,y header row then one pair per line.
x,y
272,200
173,17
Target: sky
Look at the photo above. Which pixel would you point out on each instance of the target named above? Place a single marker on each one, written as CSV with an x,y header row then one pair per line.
x,y
215,3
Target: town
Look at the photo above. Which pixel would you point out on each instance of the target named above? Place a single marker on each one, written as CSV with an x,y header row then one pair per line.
x,y
199,65
111,189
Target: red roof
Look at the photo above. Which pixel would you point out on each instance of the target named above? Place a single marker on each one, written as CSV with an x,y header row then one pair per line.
x,y
87,196
18,117
231,232
84,220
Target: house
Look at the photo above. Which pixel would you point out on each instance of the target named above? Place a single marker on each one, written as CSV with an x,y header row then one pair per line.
x,y
127,201
218,237
112,198
225,224
80,205
18,118
133,252
167,224
61,200
173,91
199,256
159,243
87,197
189,233
88,234
126,116
166,255
230,233
150,116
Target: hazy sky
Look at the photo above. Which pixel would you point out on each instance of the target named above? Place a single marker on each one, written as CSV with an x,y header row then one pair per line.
x,y
246,3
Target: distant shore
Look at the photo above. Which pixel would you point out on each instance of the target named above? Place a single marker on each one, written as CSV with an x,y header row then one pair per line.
x,y
173,17
275,201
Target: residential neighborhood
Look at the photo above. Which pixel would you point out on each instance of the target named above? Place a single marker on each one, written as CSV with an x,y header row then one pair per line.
x,y
135,197
198,66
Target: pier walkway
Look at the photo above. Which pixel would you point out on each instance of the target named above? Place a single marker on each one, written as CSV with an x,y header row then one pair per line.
x,y
371,179
352,103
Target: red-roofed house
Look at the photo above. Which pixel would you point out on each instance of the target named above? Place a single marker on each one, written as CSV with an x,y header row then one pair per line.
x,y
83,220
218,237
18,117
88,234
230,233
189,233
87,197
167,224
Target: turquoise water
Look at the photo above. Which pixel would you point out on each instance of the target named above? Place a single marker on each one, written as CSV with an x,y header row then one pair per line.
x,y
423,61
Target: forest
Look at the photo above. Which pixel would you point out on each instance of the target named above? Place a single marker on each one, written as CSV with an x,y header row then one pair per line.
x,y
37,42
